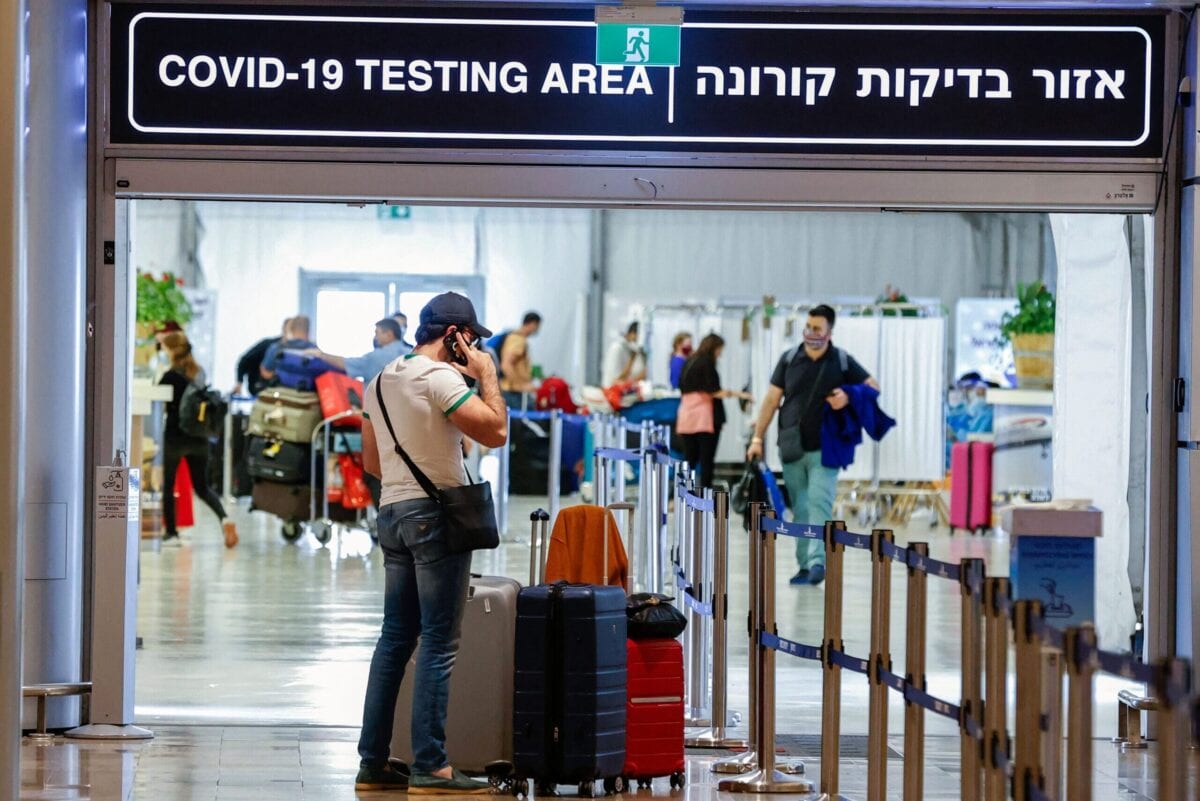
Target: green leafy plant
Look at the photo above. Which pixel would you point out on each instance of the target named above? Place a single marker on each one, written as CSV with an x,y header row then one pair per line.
x,y
161,300
1035,312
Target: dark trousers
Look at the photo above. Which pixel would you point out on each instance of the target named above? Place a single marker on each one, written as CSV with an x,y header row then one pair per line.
x,y
700,451
197,461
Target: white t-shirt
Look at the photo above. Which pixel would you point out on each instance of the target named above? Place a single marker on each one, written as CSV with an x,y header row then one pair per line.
x,y
616,359
420,395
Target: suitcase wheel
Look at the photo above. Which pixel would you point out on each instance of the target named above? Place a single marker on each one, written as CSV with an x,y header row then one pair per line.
x,y
678,780
322,530
520,788
292,531
614,786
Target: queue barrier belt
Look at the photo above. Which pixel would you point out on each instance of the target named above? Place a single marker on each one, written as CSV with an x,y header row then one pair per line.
x,y
804,531
542,417
619,454
693,603
1036,793
698,503
894,681
791,647
852,540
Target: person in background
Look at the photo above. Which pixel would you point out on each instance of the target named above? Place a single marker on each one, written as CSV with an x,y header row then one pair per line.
x,y
681,349
249,366
295,337
702,407
512,348
179,446
388,345
805,380
430,408
402,318
625,360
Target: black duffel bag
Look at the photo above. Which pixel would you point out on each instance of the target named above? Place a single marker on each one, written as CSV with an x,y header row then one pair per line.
x,y
652,617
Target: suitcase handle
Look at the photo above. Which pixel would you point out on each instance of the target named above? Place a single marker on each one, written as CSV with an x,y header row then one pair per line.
x,y
539,522
620,506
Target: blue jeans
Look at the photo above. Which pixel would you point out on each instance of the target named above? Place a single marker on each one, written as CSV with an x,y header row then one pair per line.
x,y
425,595
812,487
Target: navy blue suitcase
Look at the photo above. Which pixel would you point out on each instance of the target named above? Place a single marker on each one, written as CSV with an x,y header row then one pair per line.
x,y
569,686
294,370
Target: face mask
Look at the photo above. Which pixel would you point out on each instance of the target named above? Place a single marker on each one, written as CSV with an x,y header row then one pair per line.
x,y
814,340
686,350
375,344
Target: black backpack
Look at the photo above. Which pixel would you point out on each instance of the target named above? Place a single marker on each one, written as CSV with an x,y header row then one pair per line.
x,y
202,411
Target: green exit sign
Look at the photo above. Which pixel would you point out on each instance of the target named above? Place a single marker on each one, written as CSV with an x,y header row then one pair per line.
x,y
637,45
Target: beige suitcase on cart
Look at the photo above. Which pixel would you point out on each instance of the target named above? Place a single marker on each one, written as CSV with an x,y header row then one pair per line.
x,y
285,414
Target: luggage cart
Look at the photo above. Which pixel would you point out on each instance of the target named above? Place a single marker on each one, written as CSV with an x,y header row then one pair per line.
x,y
326,454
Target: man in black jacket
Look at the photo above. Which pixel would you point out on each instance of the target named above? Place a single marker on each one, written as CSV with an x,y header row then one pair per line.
x,y
250,364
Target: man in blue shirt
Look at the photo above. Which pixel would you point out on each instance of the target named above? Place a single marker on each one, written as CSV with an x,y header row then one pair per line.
x,y
389,346
295,337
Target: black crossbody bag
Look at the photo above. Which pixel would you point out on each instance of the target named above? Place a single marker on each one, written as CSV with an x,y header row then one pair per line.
x,y
469,511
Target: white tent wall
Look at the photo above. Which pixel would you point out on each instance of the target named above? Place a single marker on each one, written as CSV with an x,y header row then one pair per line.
x,y
1092,422
708,256
251,253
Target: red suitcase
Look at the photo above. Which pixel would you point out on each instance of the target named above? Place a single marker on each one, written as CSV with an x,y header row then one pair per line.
x,y
339,393
654,712
971,485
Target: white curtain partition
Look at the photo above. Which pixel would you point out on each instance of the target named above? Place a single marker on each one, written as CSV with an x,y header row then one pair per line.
x,y
1091,398
906,355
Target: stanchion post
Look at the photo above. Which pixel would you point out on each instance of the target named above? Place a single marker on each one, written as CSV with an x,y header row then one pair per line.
x,y
645,543
914,669
695,645
504,460
996,605
881,660
1081,666
1027,768
716,736
226,459
766,779
554,469
971,757
1174,728
831,707
1052,741
749,760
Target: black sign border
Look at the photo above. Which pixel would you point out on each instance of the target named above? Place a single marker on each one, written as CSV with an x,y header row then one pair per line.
x,y
123,134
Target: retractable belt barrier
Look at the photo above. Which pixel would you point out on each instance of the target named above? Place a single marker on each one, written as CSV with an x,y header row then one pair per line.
x,y
994,763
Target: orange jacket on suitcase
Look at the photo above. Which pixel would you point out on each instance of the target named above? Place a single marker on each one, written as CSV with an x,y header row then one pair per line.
x,y
577,548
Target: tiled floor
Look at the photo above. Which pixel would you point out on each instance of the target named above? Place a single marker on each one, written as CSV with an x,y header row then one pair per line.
x,y
255,661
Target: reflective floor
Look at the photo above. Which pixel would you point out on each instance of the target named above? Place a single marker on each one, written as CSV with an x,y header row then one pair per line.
x,y
255,660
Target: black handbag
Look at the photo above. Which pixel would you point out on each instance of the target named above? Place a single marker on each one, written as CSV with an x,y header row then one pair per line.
x,y
469,512
652,617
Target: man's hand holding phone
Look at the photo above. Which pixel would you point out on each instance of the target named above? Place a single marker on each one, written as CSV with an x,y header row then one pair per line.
x,y
471,361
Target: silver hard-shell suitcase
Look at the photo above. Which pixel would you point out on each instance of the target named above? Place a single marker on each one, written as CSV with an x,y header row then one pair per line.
x,y
479,717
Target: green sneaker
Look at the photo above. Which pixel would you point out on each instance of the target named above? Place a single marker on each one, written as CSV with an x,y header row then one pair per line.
x,y
423,783
380,777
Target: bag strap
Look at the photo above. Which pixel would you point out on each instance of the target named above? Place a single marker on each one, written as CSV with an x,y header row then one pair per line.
x,y
421,478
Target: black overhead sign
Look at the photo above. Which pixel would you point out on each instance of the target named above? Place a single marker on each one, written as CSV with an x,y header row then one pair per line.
x,y
747,82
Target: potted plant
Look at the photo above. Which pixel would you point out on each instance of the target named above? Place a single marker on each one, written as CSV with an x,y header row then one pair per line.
x,y
160,300
1031,332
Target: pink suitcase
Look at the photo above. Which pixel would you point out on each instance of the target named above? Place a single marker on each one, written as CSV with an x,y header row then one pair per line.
x,y
971,485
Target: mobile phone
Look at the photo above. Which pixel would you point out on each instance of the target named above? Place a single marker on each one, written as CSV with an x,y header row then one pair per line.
x,y
451,343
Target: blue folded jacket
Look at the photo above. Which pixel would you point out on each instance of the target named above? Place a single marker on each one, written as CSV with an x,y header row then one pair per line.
x,y
842,431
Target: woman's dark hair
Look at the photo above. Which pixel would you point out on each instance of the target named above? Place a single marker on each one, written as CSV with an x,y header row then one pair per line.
x,y
824,311
632,329
180,350
708,347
